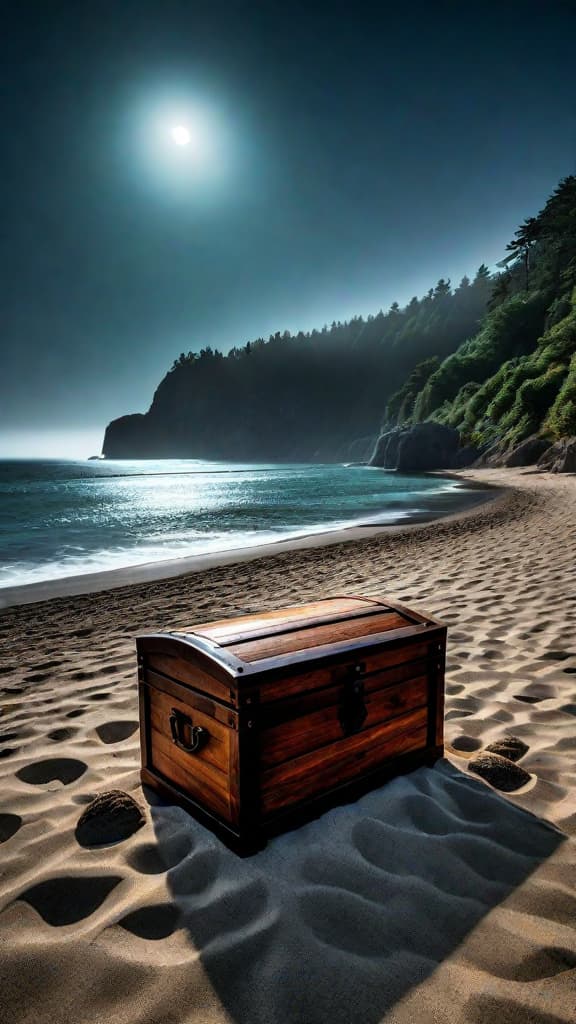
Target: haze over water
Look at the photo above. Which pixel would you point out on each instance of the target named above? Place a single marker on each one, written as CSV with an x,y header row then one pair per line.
x,y
64,518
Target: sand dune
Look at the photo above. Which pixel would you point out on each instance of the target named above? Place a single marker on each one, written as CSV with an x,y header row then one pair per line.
x,y
433,898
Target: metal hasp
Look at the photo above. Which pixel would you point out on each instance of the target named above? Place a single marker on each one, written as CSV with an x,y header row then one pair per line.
x,y
352,711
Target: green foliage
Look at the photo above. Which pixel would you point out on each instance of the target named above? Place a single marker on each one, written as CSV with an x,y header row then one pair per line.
x,y
526,394
517,375
508,331
561,418
401,405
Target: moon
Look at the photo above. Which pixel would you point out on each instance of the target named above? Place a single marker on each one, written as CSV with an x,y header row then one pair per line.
x,y
181,135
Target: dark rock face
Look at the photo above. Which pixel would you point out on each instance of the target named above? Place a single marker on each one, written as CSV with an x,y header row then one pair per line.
x,y
428,446
464,457
499,771
110,817
490,456
560,457
527,453
510,746
423,447
127,437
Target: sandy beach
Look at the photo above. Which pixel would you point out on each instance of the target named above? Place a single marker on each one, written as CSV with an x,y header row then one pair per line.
x,y
435,898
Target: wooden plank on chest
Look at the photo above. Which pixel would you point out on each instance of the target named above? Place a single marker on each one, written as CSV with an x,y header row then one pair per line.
x,y
313,773
317,636
294,682
263,622
320,728
216,750
203,781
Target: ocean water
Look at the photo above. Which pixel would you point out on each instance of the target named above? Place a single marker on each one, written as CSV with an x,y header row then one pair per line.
x,y
64,518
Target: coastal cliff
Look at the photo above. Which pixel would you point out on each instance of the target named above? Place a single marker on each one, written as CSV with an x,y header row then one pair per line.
x,y
493,361
309,397
508,394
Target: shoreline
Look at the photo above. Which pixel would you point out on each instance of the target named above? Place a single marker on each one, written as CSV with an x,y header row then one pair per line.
x,y
170,568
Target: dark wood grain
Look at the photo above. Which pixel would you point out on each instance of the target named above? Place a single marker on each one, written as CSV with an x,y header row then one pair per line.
x,y
143,710
192,698
203,781
264,622
292,626
320,728
307,700
216,750
359,648
437,712
300,679
186,672
317,636
313,773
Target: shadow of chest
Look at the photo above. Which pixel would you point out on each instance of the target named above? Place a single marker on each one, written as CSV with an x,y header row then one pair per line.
x,y
254,724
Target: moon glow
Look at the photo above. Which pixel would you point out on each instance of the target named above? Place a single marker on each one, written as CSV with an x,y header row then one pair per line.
x,y
181,135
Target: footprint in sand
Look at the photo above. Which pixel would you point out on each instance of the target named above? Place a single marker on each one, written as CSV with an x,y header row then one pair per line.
x,y
9,825
156,922
59,735
466,743
69,899
8,751
76,713
63,769
115,732
45,666
344,921
193,874
149,859
546,962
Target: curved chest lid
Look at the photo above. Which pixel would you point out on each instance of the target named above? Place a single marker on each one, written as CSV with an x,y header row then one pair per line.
x,y
299,632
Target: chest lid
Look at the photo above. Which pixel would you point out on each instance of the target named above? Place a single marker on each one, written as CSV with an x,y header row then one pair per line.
x,y
275,639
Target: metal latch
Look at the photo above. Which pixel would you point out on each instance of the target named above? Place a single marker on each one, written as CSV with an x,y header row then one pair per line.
x,y
352,711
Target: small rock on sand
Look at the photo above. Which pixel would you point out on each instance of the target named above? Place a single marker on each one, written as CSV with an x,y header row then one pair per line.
x,y
110,817
509,746
499,771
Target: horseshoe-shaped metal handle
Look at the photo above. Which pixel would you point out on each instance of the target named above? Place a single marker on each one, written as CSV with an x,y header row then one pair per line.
x,y
178,724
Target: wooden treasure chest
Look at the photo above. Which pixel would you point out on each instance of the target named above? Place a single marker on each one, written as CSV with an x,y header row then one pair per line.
x,y
255,723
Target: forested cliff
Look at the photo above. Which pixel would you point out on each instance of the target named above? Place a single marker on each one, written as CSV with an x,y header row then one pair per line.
x,y
300,397
494,359
516,377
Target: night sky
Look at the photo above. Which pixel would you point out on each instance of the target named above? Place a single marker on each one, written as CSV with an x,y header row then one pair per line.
x,y
344,157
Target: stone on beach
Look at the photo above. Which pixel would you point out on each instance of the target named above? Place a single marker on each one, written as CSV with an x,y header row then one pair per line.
x,y
499,771
509,746
109,818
